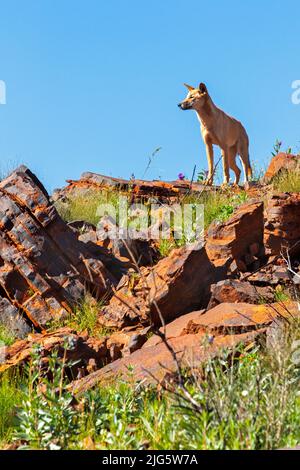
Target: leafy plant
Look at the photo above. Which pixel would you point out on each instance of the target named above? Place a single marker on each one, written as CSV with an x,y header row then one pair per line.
x,y
46,418
202,175
276,147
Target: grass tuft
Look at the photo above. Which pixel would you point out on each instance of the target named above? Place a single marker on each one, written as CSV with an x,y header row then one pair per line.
x,y
84,318
287,182
7,337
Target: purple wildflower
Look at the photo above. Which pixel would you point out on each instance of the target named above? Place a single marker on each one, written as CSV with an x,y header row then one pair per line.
x,y
181,176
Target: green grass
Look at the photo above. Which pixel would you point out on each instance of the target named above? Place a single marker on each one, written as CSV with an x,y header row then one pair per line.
x,y
84,205
281,294
6,336
246,400
218,206
287,181
10,398
84,318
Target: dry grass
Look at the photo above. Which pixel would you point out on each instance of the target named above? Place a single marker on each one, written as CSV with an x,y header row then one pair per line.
x,y
287,182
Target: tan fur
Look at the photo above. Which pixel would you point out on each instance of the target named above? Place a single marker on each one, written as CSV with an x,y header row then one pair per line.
x,y
217,128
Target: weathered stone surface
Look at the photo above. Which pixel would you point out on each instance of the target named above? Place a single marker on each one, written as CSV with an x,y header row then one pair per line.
x,y
174,329
234,239
234,290
279,163
12,320
141,252
229,318
194,338
191,351
226,318
44,268
126,341
161,190
175,285
282,226
79,348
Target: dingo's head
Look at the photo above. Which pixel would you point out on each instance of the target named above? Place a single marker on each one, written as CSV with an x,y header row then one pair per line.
x,y
196,97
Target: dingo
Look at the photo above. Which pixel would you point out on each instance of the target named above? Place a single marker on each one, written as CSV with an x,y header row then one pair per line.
x,y
220,129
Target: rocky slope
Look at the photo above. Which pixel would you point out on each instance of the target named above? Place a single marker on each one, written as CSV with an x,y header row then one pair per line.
x,y
210,295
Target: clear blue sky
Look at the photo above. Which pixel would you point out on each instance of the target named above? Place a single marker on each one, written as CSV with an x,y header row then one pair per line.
x,y
93,85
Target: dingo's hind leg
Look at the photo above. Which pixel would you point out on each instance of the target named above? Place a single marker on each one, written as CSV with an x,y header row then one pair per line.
x,y
244,154
233,165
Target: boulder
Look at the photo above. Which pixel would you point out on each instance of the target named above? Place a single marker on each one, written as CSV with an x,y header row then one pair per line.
x,y
237,318
194,338
177,284
12,320
282,223
154,364
79,347
280,163
239,240
44,268
226,318
126,341
174,329
234,290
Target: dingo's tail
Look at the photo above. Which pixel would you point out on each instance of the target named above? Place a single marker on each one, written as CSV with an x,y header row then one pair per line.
x,y
249,170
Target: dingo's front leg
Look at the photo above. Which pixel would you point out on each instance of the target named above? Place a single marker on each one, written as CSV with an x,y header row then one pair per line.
x,y
210,161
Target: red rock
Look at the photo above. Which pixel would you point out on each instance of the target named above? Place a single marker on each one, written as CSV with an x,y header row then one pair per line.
x,y
174,329
175,285
234,290
254,249
282,226
191,351
281,162
161,190
12,320
82,349
231,240
44,268
229,318
127,341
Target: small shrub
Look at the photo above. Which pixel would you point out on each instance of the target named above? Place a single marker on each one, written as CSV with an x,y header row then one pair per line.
x,y
47,419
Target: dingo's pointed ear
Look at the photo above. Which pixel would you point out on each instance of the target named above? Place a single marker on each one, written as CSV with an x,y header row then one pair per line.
x,y
202,88
189,87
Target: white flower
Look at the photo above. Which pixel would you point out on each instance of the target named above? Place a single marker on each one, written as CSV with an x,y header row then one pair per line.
x,y
245,393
